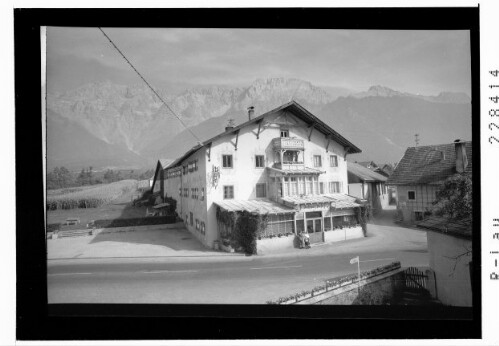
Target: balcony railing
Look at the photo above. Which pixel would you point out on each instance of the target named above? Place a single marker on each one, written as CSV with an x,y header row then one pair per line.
x,y
289,165
288,143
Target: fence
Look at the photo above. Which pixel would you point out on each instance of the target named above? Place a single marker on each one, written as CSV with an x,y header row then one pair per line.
x,y
414,278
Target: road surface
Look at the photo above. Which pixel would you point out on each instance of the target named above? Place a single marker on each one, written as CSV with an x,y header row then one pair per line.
x,y
230,280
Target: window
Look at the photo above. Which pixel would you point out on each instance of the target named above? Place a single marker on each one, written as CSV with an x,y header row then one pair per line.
x,y
180,191
316,185
191,219
202,227
333,160
294,187
227,161
411,195
202,193
321,188
261,190
186,192
229,192
193,193
197,224
334,187
186,219
418,215
317,161
284,133
259,161
309,186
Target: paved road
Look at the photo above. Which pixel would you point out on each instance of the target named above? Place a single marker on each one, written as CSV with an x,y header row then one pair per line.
x,y
235,280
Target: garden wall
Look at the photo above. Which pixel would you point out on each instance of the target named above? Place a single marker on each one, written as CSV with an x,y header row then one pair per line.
x,y
272,245
343,234
382,285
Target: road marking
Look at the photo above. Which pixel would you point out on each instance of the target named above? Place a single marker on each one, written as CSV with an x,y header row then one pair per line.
x,y
276,267
69,274
381,259
168,271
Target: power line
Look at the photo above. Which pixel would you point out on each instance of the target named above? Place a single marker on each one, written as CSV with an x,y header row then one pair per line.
x,y
150,87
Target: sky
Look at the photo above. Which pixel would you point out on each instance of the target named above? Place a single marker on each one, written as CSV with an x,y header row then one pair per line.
x,y
419,62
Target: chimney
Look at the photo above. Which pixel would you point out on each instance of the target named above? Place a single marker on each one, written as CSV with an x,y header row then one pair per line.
x,y
230,125
251,111
461,157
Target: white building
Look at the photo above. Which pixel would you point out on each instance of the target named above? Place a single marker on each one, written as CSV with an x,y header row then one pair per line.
x,y
285,163
450,254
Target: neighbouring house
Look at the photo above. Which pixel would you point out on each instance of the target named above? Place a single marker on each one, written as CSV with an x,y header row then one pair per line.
x,y
366,184
449,249
158,179
286,164
383,169
422,170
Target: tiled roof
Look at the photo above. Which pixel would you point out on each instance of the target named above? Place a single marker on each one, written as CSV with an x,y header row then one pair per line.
x,y
340,201
461,229
430,164
304,170
337,200
364,173
260,206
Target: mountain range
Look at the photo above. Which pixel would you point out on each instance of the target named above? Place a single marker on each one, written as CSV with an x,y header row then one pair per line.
x,y
106,125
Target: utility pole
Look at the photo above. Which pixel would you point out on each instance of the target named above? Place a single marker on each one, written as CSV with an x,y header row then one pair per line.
x,y
416,138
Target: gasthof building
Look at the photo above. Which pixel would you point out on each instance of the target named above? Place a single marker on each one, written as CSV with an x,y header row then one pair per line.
x,y
286,163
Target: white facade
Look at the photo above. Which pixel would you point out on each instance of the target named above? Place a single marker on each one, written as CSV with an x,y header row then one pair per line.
x,y
450,259
230,166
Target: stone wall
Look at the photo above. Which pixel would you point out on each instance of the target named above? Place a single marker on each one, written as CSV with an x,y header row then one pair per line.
x,y
381,292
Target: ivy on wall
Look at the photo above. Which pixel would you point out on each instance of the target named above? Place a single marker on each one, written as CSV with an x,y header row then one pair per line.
x,y
363,214
243,227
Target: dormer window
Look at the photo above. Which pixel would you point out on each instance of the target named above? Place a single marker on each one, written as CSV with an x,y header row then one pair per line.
x,y
284,133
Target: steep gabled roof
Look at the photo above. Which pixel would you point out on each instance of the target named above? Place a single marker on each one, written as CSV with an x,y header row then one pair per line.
x,y
364,174
292,107
165,162
430,164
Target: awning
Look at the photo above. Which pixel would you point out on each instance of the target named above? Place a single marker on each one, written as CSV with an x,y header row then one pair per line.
x,y
260,206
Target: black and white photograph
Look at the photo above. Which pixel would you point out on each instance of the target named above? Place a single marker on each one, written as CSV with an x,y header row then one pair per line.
x,y
233,164
238,166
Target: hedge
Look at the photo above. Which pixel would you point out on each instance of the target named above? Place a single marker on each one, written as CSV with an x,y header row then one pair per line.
x,y
142,221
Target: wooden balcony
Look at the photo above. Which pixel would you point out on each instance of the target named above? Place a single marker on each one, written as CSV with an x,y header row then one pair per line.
x,y
289,165
283,143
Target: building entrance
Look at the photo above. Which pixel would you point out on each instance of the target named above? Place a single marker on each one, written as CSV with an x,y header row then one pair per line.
x,y
315,226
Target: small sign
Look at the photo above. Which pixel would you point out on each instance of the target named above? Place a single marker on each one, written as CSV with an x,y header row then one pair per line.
x,y
354,260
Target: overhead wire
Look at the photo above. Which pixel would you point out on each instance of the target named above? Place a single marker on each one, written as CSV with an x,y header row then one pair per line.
x,y
150,87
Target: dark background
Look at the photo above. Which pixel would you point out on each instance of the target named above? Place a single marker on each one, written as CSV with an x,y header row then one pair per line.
x,y
36,320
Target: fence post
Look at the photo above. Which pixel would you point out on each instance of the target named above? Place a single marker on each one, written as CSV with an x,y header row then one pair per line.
x,y
432,283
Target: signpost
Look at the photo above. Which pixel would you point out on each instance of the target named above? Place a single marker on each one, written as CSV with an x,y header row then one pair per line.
x,y
356,260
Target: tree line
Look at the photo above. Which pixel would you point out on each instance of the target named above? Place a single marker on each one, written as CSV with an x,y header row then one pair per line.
x,y
61,177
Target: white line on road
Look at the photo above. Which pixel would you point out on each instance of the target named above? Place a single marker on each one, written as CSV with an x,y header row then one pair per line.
x,y
69,274
381,259
168,271
277,267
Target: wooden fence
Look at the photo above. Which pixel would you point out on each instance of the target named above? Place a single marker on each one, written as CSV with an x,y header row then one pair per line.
x,y
414,278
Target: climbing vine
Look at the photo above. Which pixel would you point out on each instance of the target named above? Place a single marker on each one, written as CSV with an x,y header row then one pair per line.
x,y
363,213
242,228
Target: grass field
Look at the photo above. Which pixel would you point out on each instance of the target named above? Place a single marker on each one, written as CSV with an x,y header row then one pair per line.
x,y
92,197
118,208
